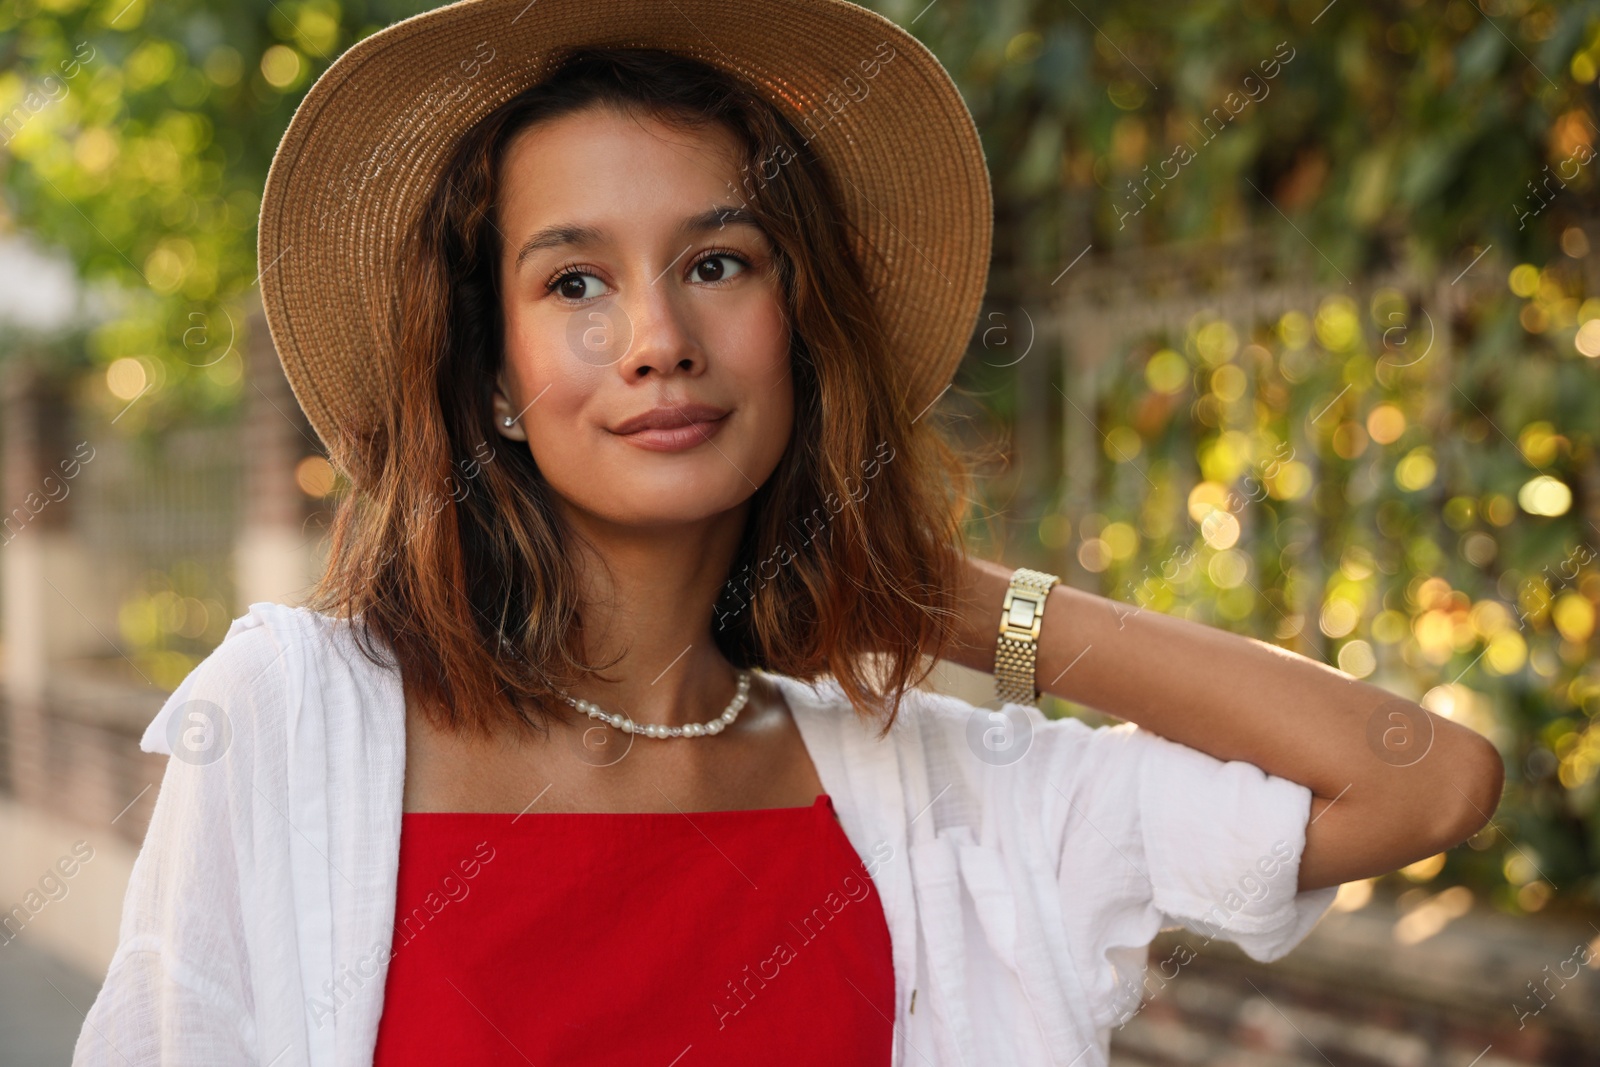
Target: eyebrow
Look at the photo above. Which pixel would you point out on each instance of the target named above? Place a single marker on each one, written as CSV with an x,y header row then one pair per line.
x,y
562,235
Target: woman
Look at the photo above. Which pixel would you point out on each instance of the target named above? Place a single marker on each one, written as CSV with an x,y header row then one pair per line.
x,y
538,774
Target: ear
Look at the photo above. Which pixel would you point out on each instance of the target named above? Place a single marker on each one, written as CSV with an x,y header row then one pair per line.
x,y
504,407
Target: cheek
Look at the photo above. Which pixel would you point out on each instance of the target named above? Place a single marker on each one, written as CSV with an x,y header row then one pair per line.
x,y
757,342
770,393
756,350
572,462
770,328
541,367
549,425
553,393
556,421
772,376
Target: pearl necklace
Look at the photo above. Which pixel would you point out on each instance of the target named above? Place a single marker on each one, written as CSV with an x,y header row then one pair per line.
x,y
693,729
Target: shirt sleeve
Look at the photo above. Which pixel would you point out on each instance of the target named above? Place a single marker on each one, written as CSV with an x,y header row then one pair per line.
x,y
178,989
1156,835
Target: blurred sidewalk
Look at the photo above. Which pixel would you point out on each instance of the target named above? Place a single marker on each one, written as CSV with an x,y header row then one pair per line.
x,y
42,1005
61,886
1415,979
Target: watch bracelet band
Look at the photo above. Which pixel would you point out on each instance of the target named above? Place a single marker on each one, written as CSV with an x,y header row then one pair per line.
x,y
1017,645
1013,672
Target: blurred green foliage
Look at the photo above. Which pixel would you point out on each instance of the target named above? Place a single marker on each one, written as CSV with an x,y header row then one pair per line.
x,y
137,137
1314,479
1426,523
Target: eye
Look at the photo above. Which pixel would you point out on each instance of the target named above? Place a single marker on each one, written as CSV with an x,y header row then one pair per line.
x,y
710,270
569,284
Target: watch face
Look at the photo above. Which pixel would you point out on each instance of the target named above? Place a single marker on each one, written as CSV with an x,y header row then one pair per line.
x,y
1021,613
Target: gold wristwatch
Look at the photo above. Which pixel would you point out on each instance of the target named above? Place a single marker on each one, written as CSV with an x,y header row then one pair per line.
x,y
1020,617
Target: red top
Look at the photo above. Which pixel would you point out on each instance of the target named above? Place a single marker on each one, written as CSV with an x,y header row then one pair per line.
x,y
679,940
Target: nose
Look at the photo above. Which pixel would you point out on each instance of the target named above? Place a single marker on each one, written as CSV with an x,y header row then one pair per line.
x,y
664,335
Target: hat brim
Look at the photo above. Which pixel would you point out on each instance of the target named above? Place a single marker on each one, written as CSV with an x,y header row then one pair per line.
x,y
367,143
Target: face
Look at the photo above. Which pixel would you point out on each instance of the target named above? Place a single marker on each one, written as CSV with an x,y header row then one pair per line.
x,y
631,298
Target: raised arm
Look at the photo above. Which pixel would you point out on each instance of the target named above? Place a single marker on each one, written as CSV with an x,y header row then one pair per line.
x,y
1392,783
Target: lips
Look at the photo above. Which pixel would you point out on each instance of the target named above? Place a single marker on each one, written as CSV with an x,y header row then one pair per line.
x,y
670,417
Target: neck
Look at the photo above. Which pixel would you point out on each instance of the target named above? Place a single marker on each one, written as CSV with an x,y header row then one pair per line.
x,y
648,600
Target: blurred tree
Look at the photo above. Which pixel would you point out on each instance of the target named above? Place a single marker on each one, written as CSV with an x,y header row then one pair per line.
x,y
137,137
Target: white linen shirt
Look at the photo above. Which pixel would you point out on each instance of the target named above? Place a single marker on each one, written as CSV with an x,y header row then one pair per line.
x,y
1020,897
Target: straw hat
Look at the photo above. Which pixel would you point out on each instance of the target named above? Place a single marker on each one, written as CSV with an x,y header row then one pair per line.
x,y
367,143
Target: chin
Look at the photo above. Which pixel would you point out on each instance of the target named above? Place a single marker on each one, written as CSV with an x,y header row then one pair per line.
x,y
667,499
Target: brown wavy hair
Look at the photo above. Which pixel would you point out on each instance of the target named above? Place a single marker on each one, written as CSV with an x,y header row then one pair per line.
x,y
446,546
